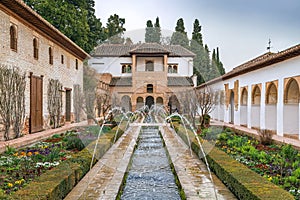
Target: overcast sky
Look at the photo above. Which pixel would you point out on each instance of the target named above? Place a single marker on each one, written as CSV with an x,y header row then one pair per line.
x,y
240,28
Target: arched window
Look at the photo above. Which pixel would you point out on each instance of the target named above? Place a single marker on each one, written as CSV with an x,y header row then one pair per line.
x,y
159,101
256,96
244,97
149,66
271,94
292,92
172,68
140,100
126,68
50,56
149,88
13,38
35,49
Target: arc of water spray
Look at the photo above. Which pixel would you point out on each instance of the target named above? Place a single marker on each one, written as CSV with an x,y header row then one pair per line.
x,y
200,145
100,131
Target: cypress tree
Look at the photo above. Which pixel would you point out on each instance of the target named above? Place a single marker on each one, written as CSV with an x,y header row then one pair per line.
x,y
157,31
149,35
179,37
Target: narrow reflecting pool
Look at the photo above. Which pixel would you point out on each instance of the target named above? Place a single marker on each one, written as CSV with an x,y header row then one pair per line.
x,y
150,175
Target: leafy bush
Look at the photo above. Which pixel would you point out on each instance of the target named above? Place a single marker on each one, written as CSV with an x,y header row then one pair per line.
x,y
74,142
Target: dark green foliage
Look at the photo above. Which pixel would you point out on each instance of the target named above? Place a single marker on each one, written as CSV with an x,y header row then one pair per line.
x,y
153,33
179,37
204,67
73,142
74,18
114,29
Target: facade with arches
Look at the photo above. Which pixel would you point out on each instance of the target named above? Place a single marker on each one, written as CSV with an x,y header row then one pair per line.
x,y
262,93
145,74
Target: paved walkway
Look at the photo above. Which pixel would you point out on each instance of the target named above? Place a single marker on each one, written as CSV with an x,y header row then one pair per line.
x,y
192,172
105,178
280,139
35,137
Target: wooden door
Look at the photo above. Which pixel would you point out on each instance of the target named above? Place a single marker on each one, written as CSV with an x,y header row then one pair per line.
x,y
36,103
68,105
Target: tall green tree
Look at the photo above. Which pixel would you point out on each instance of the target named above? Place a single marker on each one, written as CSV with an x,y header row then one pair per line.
x,y
179,37
157,31
219,63
74,18
149,34
115,29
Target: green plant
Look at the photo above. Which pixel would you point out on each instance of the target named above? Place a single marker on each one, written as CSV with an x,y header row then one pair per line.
x,y
10,150
74,142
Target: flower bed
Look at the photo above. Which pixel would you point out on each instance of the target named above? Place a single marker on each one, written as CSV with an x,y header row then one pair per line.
x,y
278,164
243,182
18,168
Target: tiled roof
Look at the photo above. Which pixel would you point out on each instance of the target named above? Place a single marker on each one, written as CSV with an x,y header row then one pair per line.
x,y
149,48
180,81
121,81
26,13
259,62
117,50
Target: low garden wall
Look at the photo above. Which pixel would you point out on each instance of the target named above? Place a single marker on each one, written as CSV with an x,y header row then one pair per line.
x,y
56,183
242,181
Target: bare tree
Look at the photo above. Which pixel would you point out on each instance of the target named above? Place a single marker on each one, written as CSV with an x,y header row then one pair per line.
x,y
103,102
189,105
206,103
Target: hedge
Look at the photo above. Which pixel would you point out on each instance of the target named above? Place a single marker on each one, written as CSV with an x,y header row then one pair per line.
x,y
56,183
242,181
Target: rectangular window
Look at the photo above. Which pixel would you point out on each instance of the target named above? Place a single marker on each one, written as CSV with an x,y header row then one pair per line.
x,y
172,68
76,64
50,55
62,59
35,49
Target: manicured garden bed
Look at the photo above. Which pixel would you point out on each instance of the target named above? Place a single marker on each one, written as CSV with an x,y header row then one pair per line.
x,y
242,181
51,168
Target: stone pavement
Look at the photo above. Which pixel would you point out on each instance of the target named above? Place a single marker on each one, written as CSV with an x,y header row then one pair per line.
x,y
279,139
35,137
105,178
192,172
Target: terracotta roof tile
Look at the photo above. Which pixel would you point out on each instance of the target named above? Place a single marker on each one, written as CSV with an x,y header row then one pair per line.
x,y
117,50
180,81
121,81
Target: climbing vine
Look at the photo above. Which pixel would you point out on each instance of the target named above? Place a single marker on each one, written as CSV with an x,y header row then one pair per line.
x,y
12,99
54,102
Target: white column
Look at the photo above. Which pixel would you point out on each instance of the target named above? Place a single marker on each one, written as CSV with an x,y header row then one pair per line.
x,y
262,122
249,105
299,122
280,105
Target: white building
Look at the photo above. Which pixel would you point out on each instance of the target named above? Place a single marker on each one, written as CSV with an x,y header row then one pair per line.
x,y
262,93
144,74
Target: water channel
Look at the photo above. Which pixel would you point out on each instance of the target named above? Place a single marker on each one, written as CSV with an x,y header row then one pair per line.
x,y
150,175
